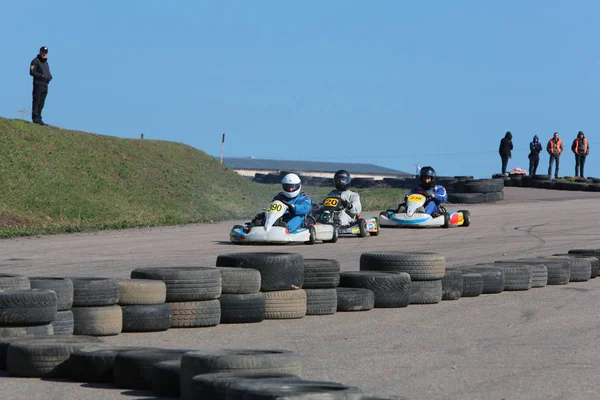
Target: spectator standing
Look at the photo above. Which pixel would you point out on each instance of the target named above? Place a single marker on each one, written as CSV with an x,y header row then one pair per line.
x,y
535,148
40,70
581,149
505,150
555,149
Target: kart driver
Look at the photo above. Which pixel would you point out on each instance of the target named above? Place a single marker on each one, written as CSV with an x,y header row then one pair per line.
x,y
350,200
299,204
435,194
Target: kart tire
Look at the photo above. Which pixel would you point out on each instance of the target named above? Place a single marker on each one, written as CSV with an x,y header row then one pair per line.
x,y
137,292
465,198
27,307
95,364
492,277
313,235
63,287
279,271
214,386
559,271
336,235
194,314
541,177
242,308
184,284
516,276
146,318
421,266
16,282
452,284
97,321
391,289
285,304
472,284
376,232
492,197
64,323
243,361
426,292
446,221
25,331
581,268
293,389
239,280
321,301
93,292
166,379
321,273
362,227
594,261
466,217
355,299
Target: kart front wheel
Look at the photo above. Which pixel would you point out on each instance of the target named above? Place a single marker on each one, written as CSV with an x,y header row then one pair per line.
x,y
362,226
336,234
376,231
313,235
466,217
446,220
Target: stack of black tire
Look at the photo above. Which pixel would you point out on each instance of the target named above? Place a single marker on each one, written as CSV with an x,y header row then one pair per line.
x,y
281,276
321,277
241,299
192,293
63,287
143,302
23,310
95,309
474,191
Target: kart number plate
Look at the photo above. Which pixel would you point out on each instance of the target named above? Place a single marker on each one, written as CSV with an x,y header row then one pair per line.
x,y
416,198
275,207
331,202
461,219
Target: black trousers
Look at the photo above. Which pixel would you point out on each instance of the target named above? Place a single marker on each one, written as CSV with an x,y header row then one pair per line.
x,y
533,164
579,163
554,157
504,163
39,99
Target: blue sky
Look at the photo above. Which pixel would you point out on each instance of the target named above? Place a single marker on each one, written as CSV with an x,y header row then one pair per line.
x,y
385,82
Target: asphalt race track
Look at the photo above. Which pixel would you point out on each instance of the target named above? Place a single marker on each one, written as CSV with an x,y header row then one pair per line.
x,y
536,344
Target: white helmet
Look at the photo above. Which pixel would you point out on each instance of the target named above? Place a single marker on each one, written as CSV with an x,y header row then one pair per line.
x,y
291,185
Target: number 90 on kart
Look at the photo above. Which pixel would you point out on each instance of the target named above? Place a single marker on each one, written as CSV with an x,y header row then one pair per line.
x,y
275,207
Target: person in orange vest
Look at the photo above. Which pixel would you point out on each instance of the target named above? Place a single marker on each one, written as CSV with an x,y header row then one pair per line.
x,y
555,149
581,149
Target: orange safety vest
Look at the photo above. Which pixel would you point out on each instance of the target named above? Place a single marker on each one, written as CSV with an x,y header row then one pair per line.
x,y
554,147
576,146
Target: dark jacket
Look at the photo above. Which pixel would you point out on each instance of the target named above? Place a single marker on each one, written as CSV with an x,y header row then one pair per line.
x,y
535,148
506,145
40,70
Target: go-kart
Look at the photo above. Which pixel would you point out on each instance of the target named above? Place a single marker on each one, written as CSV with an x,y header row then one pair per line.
x,y
329,211
274,231
412,215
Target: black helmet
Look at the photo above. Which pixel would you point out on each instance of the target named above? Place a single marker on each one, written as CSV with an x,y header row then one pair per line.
x,y
427,172
341,180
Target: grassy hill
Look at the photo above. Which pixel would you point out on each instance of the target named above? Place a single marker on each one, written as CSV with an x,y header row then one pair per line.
x,y
55,180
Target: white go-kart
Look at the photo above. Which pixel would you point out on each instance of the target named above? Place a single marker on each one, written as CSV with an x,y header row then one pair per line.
x,y
412,216
271,232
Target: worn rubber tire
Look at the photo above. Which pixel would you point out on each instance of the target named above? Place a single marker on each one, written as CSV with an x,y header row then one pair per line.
x,y
321,273
559,271
465,198
16,282
321,301
421,266
593,257
516,276
166,379
492,276
64,323
391,289
225,360
285,304
292,389
63,287
134,369
242,308
472,284
426,292
539,275
214,386
94,292
135,292
146,318
195,314
278,271
452,284
185,284
581,268
95,364
29,331
27,307
354,299
97,321
239,280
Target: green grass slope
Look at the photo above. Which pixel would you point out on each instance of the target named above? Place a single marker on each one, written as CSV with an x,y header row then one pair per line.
x,y
55,180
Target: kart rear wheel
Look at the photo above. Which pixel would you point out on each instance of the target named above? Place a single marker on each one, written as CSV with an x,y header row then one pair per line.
x,y
336,234
466,217
375,233
313,235
446,220
362,226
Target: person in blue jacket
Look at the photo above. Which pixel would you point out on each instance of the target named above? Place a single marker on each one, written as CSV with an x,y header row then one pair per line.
x,y
435,194
299,204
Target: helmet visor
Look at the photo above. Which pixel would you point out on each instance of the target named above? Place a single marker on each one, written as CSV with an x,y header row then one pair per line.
x,y
290,187
341,180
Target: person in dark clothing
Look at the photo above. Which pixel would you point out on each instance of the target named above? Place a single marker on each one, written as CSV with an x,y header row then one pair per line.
x,y
40,70
505,147
581,149
555,149
535,148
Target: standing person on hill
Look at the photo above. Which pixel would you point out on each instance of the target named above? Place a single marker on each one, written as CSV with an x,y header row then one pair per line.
x,y
555,149
505,150
535,148
40,70
581,149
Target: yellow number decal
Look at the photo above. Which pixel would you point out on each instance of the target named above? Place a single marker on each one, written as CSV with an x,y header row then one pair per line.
x,y
331,202
274,207
415,197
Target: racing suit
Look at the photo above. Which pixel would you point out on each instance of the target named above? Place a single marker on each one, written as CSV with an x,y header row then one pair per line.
x,y
302,206
431,205
348,215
